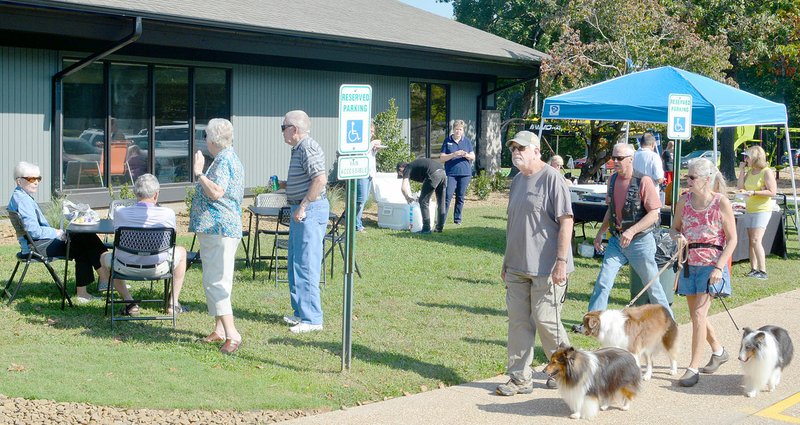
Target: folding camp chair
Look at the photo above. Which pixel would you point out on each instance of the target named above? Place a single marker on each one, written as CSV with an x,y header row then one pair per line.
x,y
142,242
34,255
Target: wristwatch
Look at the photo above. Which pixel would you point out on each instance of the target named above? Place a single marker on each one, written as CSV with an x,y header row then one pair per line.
x,y
198,175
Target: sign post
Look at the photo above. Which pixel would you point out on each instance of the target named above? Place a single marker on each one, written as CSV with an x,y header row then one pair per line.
x,y
355,114
679,127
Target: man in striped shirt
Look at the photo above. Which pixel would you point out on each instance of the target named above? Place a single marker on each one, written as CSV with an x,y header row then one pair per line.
x,y
305,191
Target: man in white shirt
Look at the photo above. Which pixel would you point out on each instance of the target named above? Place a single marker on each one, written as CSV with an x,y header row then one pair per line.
x,y
146,213
646,162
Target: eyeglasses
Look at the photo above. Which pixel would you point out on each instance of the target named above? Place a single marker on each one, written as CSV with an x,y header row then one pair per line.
x,y
620,158
285,126
32,179
513,148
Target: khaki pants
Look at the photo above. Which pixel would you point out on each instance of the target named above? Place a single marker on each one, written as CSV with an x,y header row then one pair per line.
x,y
531,303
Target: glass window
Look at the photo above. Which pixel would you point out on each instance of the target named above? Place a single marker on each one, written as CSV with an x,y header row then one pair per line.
x,y
142,98
429,118
211,101
83,127
172,124
128,89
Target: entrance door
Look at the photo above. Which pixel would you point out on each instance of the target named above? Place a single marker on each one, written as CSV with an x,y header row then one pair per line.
x,y
430,113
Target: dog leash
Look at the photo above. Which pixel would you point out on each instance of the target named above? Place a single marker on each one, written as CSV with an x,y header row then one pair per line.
x,y
720,297
679,256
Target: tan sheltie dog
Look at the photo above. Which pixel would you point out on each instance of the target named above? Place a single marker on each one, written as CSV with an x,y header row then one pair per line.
x,y
592,380
643,331
764,354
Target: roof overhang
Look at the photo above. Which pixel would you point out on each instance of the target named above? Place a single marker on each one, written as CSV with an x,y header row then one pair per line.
x,y
87,29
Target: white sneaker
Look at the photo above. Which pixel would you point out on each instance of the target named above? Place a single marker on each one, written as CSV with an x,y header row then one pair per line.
x,y
81,300
292,320
305,327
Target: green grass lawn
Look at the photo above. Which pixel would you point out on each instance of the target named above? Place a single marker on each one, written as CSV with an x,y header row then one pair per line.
x,y
430,310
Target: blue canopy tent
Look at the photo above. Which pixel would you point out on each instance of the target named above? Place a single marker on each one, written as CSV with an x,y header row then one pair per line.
x,y
642,96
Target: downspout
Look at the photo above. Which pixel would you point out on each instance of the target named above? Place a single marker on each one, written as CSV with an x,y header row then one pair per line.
x,y
57,99
481,100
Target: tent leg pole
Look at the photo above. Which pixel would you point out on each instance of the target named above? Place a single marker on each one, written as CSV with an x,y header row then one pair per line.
x,y
791,170
715,146
541,128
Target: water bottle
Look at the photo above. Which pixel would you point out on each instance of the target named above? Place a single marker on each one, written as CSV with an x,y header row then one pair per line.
x,y
410,216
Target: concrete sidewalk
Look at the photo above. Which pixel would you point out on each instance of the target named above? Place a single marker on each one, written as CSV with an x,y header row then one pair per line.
x,y
717,399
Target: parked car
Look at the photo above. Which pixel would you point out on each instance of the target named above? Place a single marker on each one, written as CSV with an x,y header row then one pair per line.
x,y
709,155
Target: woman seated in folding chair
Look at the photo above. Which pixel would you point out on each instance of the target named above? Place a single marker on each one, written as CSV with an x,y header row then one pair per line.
x,y
145,213
86,248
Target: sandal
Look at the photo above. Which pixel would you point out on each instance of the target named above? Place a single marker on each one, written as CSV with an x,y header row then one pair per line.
x,y
178,309
230,346
130,310
212,337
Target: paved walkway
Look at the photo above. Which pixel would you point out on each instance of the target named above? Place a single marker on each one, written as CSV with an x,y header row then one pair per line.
x,y
717,399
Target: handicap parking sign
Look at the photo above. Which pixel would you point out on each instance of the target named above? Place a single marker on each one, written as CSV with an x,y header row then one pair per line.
x,y
355,131
679,116
679,124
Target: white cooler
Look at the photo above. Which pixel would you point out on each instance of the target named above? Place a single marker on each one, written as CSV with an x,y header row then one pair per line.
x,y
393,210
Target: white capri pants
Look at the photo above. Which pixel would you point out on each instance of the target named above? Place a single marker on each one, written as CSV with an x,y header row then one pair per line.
x,y
218,254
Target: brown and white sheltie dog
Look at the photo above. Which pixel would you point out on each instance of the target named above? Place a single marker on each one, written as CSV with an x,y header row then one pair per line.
x,y
764,353
592,380
643,330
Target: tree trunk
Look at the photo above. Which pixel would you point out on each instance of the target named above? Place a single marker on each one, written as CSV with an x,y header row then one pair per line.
x,y
727,161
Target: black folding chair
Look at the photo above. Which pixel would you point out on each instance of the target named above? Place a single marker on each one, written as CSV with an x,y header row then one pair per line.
x,y
280,241
142,242
34,255
335,237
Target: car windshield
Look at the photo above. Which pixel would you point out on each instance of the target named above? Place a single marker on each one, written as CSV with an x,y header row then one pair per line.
x,y
694,154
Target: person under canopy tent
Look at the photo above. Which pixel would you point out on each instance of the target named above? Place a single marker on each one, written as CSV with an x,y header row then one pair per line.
x,y
643,96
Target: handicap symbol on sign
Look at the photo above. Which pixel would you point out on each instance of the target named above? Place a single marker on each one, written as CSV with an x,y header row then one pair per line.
x,y
679,124
355,131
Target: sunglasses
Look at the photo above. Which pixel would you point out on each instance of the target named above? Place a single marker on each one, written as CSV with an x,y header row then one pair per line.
x,y
620,158
513,148
32,179
285,126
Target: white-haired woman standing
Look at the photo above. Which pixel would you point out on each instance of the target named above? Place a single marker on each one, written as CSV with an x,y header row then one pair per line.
x,y
760,186
216,217
86,248
704,217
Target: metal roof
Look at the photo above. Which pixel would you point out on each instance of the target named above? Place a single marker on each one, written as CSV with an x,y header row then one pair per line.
x,y
387,23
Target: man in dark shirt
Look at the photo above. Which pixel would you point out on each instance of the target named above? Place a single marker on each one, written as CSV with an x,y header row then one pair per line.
x,y
433,178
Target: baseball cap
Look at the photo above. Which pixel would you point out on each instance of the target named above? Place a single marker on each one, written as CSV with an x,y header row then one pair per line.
x,y
524,138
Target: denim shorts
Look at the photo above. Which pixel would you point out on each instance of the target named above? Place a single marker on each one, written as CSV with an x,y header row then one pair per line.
x,y
697,282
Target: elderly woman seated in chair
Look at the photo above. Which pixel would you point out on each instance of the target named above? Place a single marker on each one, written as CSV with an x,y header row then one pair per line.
x,y
85,249
146,214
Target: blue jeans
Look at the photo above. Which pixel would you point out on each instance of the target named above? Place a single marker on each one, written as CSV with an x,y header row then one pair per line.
x,y
305,261
457,185
362,194
641,254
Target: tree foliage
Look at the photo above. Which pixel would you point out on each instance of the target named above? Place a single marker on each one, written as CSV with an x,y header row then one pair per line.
x,y
748,44
390,129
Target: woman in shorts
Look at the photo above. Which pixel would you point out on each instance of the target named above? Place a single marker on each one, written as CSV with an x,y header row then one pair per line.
x,y
704,220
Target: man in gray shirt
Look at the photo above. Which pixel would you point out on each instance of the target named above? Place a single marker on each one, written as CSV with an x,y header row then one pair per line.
x,y
537,261
305,192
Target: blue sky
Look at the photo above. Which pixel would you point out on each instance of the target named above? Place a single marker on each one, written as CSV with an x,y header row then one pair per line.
x,y
444,9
